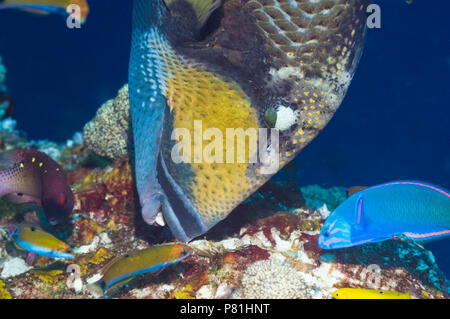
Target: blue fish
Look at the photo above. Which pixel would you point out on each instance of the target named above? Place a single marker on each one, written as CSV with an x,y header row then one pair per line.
x,y
415,210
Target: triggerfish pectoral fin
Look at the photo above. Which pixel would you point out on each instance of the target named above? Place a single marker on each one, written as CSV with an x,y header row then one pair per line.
x,y
217,117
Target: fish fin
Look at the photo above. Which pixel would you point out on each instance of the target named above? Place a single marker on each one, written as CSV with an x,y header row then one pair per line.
x,y
7,160
354,189
31,258
357,226
157,272
118,284
18,247
359,214
41,12
97,288
409,240
203,8
429,236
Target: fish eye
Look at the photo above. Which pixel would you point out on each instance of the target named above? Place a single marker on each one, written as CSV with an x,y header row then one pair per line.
x,y
327,234
270,117
381,292
32,228
62,198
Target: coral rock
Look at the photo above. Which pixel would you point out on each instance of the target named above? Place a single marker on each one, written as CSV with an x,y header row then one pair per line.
x,y
108,134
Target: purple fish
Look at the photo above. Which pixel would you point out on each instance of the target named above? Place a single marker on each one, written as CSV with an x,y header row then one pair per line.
x,y
35,176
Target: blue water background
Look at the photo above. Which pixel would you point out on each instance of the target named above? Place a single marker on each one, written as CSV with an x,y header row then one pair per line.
x,y
393,124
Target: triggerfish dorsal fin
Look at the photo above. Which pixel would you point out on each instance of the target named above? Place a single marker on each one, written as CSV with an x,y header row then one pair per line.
x,y
202,8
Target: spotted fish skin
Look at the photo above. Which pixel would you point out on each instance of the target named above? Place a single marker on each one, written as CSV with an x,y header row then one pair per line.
x,y
38,176
294,58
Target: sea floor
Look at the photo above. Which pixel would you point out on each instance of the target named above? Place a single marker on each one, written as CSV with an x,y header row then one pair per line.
x,y
266,248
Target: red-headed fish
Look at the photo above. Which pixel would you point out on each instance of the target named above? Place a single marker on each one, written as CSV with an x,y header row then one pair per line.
x,y
36,175
47,6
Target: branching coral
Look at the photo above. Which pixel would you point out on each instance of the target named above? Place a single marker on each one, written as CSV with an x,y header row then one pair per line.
x,y
109,132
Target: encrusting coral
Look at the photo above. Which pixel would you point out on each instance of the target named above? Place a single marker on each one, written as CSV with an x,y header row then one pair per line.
x,y
108,133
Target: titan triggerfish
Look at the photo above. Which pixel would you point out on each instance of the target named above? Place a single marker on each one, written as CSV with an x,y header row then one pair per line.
x,y
223,94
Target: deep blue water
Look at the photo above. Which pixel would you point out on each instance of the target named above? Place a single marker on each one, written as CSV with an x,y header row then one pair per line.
x,y
393,124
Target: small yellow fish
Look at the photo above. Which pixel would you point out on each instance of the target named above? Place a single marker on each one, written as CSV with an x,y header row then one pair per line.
x,y
360,293
122,269
39,242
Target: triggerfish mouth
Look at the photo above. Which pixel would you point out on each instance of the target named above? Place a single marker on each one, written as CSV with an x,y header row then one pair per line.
x,y
122,269
35,176
45,7
411,209
37,241
223,94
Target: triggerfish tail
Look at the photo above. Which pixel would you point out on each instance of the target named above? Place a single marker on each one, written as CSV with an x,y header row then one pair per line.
x,y
259,80
123,268
360,293
417,210
48,6
38,176
35,240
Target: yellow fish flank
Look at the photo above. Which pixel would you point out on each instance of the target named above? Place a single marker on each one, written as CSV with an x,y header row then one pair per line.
x,y
34,239
360,293
123,269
